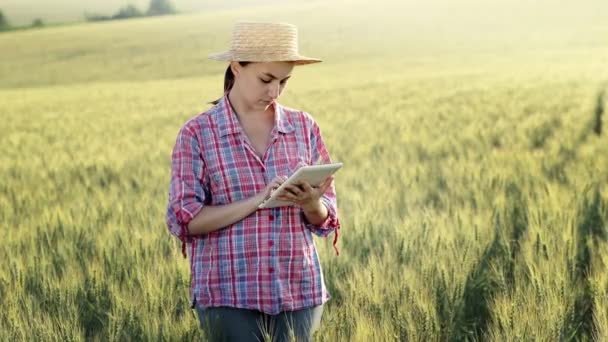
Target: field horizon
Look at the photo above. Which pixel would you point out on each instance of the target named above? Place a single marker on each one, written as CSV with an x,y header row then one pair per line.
x,y
23,12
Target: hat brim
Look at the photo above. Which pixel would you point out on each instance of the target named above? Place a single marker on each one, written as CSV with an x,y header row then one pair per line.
x,y
298,60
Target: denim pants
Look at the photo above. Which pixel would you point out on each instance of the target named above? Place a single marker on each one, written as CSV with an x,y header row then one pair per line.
x,y
232,324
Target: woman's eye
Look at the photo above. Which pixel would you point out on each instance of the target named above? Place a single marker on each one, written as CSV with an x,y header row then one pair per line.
x,y
265,81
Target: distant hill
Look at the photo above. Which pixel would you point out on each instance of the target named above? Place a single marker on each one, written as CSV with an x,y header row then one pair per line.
x,y
22,12
381,36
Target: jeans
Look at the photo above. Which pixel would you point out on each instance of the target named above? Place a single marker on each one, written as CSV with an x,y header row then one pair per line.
x,y
233,324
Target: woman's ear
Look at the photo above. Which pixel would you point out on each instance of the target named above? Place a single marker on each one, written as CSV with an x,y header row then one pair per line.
x,y
235,67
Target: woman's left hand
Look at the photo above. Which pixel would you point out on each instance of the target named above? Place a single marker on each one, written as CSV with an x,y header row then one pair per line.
x,y
304,195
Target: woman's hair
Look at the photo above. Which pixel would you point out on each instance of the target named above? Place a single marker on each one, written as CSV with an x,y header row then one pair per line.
x,y
229,80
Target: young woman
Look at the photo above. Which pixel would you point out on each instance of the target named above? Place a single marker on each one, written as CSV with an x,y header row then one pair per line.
x,y
253,271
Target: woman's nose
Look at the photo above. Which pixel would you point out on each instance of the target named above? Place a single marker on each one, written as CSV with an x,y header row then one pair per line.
x,y
274,90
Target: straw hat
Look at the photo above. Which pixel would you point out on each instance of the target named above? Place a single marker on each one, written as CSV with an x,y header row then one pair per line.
x,y
264,42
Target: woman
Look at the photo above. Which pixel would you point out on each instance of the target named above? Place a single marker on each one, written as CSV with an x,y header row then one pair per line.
x,y
253,271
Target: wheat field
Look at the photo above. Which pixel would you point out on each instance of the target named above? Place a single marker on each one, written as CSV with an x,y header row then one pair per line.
x,y
473,200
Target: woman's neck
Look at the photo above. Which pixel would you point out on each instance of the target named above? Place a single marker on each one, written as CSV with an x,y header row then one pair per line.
x,y
240,106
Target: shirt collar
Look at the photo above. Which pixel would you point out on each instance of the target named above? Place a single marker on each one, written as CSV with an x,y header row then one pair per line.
x,y
228,123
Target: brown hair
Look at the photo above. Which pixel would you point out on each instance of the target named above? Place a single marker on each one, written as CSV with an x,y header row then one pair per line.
x,y
229,80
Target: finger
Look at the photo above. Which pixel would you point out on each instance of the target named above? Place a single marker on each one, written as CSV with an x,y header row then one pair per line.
x,y
280,179
293,193
293,189
327,180
324,187
302,183
286,193
307,188
288,198
327,183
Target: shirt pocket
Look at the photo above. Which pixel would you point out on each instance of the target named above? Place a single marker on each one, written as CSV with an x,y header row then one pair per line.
x,y
232,185
290,153
291,164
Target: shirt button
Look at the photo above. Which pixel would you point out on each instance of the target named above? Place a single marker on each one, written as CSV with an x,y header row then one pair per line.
x,y
271,270
271,218
270,243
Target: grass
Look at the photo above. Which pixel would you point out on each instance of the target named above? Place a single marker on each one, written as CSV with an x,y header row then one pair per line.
x,y
473,198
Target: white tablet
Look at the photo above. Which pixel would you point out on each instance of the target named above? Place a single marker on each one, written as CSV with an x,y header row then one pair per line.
x,y
312,174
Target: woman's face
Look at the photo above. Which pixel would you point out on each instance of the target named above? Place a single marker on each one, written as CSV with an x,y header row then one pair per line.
x,y
260,84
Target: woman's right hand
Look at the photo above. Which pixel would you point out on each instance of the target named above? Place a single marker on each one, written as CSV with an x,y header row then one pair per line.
x,y
270,187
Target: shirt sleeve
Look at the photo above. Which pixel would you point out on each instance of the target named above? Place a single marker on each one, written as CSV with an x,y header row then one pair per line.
x,y
320,155
186,193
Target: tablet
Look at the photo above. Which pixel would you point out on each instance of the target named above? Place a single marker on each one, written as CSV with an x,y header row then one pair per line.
x,y
313,174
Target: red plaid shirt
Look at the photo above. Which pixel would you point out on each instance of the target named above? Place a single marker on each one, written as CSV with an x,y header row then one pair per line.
x,y
267,261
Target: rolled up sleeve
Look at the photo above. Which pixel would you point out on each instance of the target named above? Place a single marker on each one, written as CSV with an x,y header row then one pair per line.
x,y
186,194
320,155
331,222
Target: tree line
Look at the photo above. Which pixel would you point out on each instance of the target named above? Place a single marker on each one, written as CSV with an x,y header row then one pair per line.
x,y
155,8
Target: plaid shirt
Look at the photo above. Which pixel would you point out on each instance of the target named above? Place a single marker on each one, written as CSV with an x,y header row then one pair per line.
x,y
267,261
